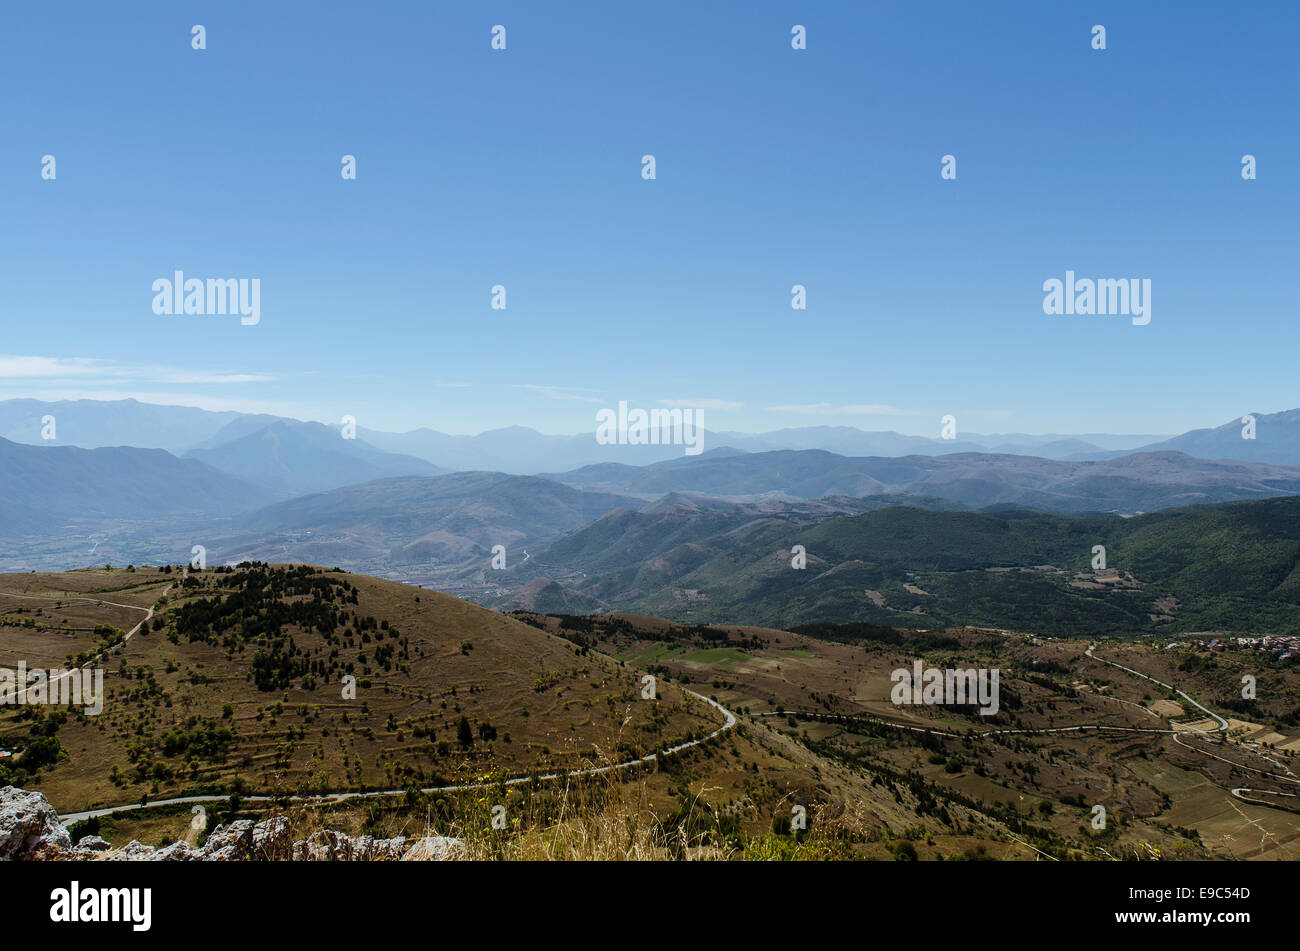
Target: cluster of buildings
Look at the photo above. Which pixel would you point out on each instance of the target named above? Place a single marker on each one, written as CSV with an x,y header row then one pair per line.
x,y
1285,646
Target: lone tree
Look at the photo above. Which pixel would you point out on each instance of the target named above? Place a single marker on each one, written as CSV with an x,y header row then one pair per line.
x,y
464,734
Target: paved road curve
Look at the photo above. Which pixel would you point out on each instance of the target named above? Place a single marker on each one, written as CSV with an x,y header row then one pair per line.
x,y
729,722
1223,724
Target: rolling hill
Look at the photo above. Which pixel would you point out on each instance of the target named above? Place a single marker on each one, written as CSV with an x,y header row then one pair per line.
x,y
1229,567
239,683
447,520
238,690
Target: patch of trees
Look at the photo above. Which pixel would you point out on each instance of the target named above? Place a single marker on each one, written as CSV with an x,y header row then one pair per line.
x,y
207,740
852,633
256,607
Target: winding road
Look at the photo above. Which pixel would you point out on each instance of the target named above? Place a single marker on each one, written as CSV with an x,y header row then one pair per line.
x,y
1222,723
129,634
728,724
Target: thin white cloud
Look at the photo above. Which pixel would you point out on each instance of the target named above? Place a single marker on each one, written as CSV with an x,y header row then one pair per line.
x,y
702,404
830,409
556,392
35,368
108,372
189,377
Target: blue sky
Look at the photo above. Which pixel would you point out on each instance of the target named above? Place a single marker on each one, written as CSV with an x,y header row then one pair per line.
x,y
775,167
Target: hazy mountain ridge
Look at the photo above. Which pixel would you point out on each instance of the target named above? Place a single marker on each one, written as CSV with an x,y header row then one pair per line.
x,y
92,424
514,449
393,513
45,489
442,520
1276,439
290,458
1128,484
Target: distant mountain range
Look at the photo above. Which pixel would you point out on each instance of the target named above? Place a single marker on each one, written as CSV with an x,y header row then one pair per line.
x,y
637,528
91,424
282,457
1125,485
254,486
520,450
453,521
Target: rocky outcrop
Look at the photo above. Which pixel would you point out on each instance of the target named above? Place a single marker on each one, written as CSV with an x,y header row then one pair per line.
x,y
29,826
435,848
30,830
328,846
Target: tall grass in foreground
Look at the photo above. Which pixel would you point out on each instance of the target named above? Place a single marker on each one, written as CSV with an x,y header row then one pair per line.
x,y
609,818
596,819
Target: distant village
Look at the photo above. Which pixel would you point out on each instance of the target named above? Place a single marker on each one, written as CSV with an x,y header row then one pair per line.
x,y
1285,646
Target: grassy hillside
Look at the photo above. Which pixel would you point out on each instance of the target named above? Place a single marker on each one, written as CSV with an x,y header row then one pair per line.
x,y
236,691
236,684
931,781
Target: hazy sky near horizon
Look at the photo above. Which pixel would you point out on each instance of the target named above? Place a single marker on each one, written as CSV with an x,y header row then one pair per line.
x,y
774,167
